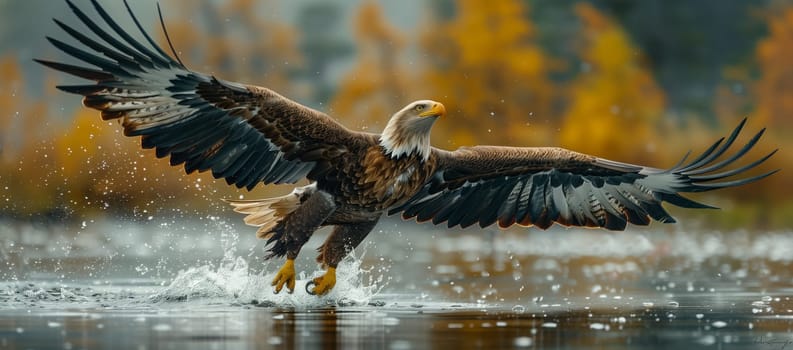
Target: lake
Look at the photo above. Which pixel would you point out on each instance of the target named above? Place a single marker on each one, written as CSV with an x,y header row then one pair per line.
x,y
201,283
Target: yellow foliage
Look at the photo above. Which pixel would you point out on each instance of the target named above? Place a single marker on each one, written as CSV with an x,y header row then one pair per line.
x,y
614,102
9,95
26,168
767,103
773,90
486,66
89,166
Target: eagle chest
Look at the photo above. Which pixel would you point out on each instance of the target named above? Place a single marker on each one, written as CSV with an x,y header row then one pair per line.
x,y
384,181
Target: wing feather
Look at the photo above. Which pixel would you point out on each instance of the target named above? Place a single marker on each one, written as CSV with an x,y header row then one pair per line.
x,y
244,134
507,211
560,202
522,210
542,186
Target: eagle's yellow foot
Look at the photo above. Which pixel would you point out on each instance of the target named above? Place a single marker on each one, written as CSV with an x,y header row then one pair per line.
x,y
286,275
322,284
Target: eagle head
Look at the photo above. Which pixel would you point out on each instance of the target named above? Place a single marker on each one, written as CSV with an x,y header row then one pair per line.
x,y
408,131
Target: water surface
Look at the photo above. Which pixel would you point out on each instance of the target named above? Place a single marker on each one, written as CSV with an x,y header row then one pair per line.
x,y
200,284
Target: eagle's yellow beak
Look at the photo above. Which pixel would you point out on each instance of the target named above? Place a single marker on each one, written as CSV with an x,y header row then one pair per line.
x,y
437,110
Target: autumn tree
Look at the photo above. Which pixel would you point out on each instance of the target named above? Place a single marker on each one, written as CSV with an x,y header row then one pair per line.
x,y
9,89
614,103
87,165
765,99
27,179
485,64
775,86
377,86
234,40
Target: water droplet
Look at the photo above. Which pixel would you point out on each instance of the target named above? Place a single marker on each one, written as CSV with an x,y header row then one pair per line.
x,y
519,309
707,340
719,324
400,345
523,342
390,321
599,326
162,327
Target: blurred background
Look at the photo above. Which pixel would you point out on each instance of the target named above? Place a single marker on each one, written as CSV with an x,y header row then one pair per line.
x,y
639,82
88,220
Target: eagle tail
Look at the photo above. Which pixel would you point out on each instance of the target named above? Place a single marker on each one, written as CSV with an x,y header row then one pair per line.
x,y
268,212
265,213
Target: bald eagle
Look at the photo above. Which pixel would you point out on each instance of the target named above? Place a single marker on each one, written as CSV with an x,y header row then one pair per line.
x,y
249,135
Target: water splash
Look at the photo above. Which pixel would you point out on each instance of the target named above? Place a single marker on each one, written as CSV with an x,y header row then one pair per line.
x,y
234,282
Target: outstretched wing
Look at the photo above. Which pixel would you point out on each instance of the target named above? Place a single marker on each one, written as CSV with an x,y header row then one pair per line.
x,y
540,186
245,134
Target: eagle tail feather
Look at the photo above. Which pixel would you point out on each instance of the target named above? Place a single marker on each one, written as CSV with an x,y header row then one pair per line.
x,y
268,212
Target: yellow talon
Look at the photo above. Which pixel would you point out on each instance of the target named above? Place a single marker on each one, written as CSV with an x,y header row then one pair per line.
x,y
286,275
323,284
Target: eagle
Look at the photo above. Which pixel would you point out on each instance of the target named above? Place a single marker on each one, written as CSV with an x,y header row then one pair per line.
x,y
249,135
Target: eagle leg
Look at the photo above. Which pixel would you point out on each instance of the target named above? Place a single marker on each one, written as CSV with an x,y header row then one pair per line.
x,y
294,230
286,275
341,242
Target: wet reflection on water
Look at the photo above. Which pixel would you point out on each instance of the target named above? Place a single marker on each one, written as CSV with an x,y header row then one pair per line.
x,y
547,290
397,328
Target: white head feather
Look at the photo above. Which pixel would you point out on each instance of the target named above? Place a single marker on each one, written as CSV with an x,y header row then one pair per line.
x,y
408,131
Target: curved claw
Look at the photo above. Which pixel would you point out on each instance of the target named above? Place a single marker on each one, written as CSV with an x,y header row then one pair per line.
x,y
322,284
310,291
286,275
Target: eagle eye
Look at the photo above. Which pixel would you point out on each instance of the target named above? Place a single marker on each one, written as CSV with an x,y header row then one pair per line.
x,y
419,108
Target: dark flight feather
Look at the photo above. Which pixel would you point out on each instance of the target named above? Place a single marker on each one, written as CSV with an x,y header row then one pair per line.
x,y
245,134
571,188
